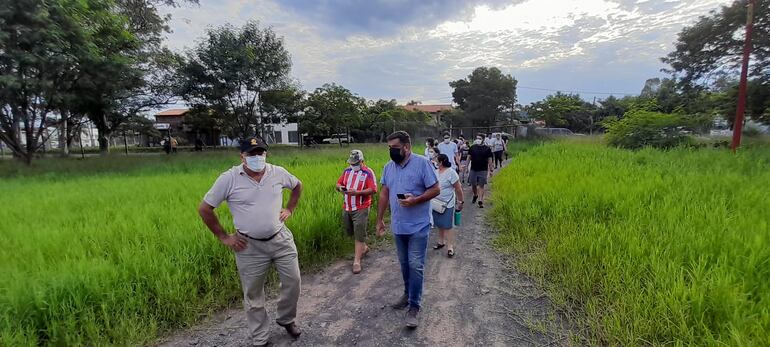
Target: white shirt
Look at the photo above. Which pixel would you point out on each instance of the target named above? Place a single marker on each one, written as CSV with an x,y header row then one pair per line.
x,y
497,145
450,149
255,206
446,181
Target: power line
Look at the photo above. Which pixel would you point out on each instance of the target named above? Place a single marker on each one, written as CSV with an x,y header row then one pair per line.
x,y
576,91
571,91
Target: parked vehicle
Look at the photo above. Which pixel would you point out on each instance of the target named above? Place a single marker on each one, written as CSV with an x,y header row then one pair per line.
x,y
505,136
337,138
555,132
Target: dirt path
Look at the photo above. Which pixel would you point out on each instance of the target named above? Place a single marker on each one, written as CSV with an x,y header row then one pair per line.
x,y
471,299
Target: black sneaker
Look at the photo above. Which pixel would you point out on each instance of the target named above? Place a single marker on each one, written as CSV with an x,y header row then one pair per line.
x,y
481,204
411,317
474,199
402,303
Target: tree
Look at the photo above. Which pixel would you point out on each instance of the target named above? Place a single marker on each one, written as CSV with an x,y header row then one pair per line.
x,y
332,109
707,61
43,44
613,107
564,110
284,105
486,95
128,77
640,128
714,45
724,101
113,89
231,71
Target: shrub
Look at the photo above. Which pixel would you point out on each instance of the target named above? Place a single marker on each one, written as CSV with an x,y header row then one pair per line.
x,y
640,128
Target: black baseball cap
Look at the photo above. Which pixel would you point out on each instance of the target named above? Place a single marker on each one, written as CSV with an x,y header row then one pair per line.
x,y
251,144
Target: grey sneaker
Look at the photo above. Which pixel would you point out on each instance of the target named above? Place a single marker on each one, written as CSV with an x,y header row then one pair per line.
x,y
411,317
402,303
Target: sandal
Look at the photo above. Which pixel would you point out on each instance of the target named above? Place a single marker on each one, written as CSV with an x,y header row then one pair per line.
x,y
450,253
439,246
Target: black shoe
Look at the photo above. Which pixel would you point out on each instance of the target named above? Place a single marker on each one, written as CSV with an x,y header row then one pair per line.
x,y
474,199
481,204
402,303
411,317
292,329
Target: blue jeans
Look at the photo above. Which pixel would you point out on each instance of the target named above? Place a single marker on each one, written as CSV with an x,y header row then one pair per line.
x,y
411,254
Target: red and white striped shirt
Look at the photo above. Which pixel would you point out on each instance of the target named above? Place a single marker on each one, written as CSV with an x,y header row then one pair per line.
x,y
357,181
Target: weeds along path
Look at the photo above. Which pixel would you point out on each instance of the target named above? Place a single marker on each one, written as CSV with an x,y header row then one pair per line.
x,y
471,299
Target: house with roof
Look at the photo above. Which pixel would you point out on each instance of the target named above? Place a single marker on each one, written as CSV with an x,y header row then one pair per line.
x,y
172,121
433,110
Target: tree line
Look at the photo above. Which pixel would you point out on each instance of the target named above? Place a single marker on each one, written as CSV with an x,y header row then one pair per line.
x,y
67,62
702,81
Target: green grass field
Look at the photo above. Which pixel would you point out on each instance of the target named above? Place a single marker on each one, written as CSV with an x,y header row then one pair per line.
x,y
111,251
647,247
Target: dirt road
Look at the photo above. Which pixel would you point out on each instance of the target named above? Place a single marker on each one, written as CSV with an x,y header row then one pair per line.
x,y
473,299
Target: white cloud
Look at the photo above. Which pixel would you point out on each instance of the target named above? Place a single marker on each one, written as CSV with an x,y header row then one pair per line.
x,y
527,38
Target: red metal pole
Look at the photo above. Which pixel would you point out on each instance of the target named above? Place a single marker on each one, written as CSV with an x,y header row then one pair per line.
x,y
738,124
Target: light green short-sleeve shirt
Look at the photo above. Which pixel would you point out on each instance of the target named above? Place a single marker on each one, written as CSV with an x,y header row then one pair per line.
x,y
255,206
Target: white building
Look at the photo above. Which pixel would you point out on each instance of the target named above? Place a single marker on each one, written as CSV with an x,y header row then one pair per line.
x,y
284,134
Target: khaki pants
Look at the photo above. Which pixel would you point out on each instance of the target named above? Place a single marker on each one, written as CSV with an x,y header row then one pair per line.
x,y
253,264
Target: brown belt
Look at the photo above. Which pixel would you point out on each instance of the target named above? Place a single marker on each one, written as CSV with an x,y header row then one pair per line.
x,y
265,239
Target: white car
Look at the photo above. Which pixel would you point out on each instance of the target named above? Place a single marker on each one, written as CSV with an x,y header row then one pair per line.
x,y
556,132
337,138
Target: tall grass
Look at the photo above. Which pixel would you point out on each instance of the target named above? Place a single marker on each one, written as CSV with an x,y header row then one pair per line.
x,y
652,247
111,251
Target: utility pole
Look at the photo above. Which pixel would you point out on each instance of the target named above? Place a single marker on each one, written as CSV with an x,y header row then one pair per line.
x,y
738,123
591,129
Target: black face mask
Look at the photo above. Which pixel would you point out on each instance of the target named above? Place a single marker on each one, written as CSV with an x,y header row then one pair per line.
x,y
396,155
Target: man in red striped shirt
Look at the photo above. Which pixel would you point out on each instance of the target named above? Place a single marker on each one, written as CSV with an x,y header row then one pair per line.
x,y
357,185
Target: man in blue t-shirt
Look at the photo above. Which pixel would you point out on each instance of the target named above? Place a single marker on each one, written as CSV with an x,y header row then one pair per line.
x,y
451,150
408,185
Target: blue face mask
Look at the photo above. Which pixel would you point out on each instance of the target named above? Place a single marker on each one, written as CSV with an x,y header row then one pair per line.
x,y
256,163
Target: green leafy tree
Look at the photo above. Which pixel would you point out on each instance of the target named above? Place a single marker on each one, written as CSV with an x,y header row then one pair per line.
x,y
640,128
715,43
486,96
707,61
128,75
564,110
44,48
332,109
233,72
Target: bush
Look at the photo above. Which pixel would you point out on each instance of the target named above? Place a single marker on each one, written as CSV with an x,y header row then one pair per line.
x,y
641,128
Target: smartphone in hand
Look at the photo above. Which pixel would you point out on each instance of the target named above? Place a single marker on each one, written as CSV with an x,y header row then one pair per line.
x,y
401,196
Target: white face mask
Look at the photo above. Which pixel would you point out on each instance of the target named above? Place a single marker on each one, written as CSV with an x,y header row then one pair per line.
x,y
256,163
446,140
477,142
356,167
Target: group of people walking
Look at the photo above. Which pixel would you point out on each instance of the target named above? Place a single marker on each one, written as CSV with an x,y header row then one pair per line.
x,y
474,162
420,192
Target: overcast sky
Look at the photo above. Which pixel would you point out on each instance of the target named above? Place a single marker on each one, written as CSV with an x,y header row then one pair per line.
x,y
411,49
